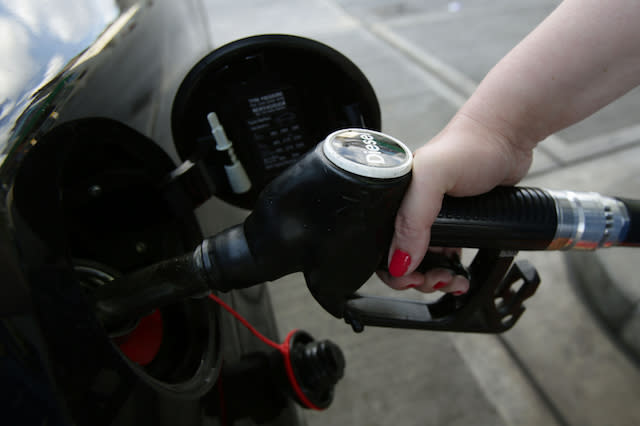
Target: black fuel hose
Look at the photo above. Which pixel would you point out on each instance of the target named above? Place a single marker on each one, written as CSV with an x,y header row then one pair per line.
x,y
632,237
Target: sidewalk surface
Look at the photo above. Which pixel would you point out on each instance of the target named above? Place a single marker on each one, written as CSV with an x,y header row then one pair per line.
x,y
572,358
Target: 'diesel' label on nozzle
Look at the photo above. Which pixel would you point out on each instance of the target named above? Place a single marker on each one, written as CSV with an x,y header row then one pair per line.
x,y
368,153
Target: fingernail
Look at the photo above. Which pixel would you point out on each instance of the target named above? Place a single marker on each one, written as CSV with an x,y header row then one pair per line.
x,y
399,263
459,293
439,285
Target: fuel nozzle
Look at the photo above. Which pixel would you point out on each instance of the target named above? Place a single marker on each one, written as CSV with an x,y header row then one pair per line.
x,y
330,216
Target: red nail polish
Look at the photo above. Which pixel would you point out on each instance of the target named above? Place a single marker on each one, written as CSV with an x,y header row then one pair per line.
x,y
439,285
399,263
458,293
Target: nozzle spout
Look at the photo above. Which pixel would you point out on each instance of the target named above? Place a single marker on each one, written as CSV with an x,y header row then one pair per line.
x,y
142,291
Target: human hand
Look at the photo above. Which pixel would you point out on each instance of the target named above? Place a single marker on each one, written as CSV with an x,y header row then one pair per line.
x,y
467,158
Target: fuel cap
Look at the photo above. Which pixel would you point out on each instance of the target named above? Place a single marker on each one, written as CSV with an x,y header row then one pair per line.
x,y
368,153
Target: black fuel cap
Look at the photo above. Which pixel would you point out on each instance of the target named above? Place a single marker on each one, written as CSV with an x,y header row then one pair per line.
x,y
368,153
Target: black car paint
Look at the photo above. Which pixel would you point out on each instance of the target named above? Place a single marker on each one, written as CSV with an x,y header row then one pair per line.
x,y
95,104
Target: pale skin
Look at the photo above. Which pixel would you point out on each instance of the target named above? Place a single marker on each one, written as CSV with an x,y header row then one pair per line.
x,y
579,59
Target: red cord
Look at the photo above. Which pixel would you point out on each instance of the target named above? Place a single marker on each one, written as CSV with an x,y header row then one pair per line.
x,y
284,349
244,322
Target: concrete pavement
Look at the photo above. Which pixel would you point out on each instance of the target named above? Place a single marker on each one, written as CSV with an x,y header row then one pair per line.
x,y
570,358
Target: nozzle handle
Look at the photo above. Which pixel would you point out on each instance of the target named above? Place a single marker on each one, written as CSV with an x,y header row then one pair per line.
x,y
520,218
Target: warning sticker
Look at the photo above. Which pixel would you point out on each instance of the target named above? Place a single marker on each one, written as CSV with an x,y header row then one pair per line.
x,y
267,104
275,125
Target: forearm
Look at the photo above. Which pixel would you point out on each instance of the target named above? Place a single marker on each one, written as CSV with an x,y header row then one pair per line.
x,y
582,57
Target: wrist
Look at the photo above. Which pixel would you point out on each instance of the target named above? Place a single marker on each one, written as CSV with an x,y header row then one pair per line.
x,y
484,157
513,125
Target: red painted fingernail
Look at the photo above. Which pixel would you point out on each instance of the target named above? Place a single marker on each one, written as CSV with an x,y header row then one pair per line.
x,y
458,293
399,263
439,285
